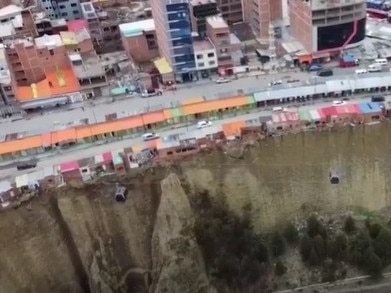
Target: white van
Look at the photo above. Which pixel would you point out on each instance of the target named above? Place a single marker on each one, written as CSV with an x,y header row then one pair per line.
x,y
361,71
374,68
381,62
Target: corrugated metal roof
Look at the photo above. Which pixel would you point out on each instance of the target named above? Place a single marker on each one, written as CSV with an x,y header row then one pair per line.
x,y
304,115
329,111
5,186
368,108
315,115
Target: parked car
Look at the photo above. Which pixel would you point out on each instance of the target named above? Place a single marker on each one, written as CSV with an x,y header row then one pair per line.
x,y
277,82
26,165
279,109
325,72
339,102
315,67
151,93
203,124
378,99
222,80
150,136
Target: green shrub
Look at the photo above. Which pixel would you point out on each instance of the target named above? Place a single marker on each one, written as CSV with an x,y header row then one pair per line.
x,y
280,268
277,245
349,225
291,234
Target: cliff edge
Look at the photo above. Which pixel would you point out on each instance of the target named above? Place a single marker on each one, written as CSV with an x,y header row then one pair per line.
x,y
176,259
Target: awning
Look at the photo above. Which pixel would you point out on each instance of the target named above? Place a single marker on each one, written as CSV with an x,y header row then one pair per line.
x,y
68,166
162,66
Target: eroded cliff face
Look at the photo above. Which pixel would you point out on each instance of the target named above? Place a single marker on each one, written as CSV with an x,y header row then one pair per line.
x,y
177,262
82,240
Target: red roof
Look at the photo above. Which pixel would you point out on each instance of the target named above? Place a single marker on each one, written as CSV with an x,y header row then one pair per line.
x,y
291,116
352,108
329,111
76,25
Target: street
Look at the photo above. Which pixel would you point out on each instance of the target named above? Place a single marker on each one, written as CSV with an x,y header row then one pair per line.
x,y
88,150
134,105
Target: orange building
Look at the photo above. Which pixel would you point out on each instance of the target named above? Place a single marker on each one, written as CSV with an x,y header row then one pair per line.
x,y
40,68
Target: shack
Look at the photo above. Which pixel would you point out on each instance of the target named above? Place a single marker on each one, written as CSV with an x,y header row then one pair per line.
x,y
47,177
7,193
70,172
370,112
119,165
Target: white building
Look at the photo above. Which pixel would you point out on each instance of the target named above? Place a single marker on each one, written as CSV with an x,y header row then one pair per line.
x,y
205,56
56,9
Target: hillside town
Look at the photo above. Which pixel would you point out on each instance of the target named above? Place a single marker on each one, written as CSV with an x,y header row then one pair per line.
x,y
112,87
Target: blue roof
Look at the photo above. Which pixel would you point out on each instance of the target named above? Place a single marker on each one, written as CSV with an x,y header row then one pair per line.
x,y
137,28
368,108
117,160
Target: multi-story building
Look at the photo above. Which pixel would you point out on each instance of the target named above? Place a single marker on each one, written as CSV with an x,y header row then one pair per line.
x,y
259,14
205,57
173,32
6,93
67,9
219,33
199,11
315,23
16,22
104,31
139,40
231,10
86,64
40,68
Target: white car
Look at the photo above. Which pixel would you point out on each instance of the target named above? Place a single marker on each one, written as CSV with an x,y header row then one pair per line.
x,y
203,124
222,80
278,82
339,102
279,109
150,136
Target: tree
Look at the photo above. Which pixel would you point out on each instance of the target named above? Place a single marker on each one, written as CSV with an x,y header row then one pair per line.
x,y
372,263
314,227
277,244
382,245
280,269
306,245
291,234
313,259
338,247
374,230
350,225
320,247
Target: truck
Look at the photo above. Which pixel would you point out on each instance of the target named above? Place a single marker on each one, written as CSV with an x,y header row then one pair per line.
x,y
348,60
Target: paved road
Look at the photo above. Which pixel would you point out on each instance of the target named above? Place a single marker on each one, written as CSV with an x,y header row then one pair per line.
x,y
91,150
134,105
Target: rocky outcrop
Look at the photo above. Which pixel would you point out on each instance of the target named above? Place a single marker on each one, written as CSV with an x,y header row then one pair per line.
x,y
176,259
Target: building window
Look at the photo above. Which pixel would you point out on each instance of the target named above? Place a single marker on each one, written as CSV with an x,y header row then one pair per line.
x,y
75,11
212,62
210,55
199,56
64,14
51,52
224,50
201,64
61,6
73,4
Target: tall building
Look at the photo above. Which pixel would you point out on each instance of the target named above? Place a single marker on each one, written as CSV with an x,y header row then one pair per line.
x,y
199,11
55,9
173,32
260,13
16,22
325,26
231,10
40,68
219,33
